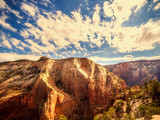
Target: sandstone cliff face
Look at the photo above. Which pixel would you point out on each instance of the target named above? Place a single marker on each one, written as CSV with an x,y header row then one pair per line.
x,y
47,88
137,72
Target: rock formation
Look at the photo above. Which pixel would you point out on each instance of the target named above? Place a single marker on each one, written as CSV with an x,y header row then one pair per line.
x,y
47,88
137,72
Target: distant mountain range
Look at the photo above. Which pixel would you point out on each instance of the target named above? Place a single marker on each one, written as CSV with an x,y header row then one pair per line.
x,y
137,72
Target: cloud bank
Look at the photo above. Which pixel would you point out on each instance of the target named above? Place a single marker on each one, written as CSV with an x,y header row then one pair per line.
x,y
41,31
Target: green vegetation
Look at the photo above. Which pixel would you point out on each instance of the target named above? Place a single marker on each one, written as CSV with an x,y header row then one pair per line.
x,y
128,107
99,117
148,110
127,117
110,113
107,115
155,90
146,96
146,87
62,117
115,112
118,109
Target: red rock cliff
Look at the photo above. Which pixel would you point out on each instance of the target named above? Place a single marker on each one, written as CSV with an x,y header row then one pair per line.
x,y
47,88
137,72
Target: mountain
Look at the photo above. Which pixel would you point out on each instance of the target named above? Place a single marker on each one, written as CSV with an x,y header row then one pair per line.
x,y
48,88
136,72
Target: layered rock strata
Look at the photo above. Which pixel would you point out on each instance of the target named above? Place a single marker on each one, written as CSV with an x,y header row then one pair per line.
x,y
47,88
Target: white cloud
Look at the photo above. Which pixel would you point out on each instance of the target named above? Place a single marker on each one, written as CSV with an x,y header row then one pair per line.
x,y
108,11
46,2
64,30
29,9
6,25
9,42
16,13
148,58
105,59
154,1
5,42
122,9
39,48
141,38
120,59
96,16
157,7
3,5
18,44
14,56
25,33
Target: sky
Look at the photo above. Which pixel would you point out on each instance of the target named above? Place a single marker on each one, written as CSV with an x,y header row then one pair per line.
x,y
105,31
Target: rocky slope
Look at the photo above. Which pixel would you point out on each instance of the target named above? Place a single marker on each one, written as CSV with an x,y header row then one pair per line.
x,y
47,88
136,103
137,72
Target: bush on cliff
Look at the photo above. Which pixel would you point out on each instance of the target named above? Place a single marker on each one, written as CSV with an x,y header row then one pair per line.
x,y
62,117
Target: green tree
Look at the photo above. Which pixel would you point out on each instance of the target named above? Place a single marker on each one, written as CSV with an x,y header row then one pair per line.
x,y
128,107
130,93
118,109
155,90
143,109
146,86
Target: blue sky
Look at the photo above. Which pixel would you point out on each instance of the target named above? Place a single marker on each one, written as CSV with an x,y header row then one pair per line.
x,y
106,32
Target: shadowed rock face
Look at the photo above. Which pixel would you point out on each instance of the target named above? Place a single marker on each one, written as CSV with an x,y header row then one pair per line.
x,y
47,88
137,72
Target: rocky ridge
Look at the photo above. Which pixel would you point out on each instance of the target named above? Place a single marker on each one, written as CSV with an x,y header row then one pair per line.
x,y
47,88
136,72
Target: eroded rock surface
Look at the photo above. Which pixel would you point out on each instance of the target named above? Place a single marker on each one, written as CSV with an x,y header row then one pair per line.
x,y
137,72
47,88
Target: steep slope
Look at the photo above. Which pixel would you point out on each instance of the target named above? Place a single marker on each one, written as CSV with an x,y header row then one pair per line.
x,y
136,103
137,72
47,88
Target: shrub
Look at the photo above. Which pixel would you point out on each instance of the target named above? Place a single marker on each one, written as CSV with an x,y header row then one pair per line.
x,y
146,86
147,115
155,90
62,117
147,112
153,104
98,117
128,107
154,110
142,109
127,117
118,109
110,114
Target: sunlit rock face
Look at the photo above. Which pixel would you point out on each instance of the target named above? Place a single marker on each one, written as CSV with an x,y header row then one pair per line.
x,y
47,88
137,72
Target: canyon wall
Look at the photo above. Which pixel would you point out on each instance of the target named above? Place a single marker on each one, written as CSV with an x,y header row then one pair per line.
x,y
136,72
47,88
